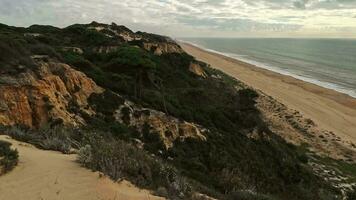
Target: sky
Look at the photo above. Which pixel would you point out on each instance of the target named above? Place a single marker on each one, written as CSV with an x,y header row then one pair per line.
x,y
195,18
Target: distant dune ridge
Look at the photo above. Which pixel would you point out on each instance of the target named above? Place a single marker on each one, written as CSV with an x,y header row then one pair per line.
x,y
138,107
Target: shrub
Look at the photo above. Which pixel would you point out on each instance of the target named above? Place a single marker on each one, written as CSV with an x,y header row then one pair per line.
x,y
8,157
351,195
18,133
85,155
48,138
247,195
43,49
162,192
120,160
12,54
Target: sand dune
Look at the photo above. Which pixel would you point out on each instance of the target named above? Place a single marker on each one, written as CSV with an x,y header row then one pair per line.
x,y
48,175
329,109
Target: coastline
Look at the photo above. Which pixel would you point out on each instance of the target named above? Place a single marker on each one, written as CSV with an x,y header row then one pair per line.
x,y
328,85
331,110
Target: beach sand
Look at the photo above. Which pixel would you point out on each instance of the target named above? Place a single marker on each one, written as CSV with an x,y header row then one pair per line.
x,y
52,175
329,109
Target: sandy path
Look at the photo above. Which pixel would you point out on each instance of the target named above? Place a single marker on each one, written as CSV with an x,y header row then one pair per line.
x,y
330,110
48,175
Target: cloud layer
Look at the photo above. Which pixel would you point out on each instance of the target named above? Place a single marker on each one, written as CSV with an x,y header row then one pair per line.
x,y
225,18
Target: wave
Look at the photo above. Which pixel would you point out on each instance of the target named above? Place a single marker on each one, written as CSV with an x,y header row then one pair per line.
x,y
313,80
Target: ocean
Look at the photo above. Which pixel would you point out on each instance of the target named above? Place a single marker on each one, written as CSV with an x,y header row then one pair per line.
x,y
330,63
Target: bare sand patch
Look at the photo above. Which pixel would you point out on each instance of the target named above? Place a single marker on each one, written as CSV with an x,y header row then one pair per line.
x,y
49,175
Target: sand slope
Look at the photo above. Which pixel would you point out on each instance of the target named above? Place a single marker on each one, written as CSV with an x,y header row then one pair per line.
x,y
329,109
48,175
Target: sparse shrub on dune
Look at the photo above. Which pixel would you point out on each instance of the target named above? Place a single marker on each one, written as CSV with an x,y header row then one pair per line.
x,y
120,160
8,157
248,195
18,133
85,155
56,138
48,138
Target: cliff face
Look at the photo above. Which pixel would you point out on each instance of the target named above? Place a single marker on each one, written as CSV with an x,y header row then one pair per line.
x,y
157,44
56,93
197,70
167,127
45,95
162,47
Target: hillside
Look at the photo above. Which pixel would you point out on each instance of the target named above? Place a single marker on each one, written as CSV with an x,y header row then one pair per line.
x,y
135,106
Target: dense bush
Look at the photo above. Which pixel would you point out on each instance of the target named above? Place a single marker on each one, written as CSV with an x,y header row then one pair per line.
x,y
43,49
351,195
13,55
8,157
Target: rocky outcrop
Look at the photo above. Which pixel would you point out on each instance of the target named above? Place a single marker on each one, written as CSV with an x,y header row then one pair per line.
x,y
168,128
32,34
105,49
151,42
114,30
199,196
162,48
73,50
197,70
52,93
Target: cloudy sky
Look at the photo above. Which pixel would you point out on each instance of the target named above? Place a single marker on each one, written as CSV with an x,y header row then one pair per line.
x,y
187,18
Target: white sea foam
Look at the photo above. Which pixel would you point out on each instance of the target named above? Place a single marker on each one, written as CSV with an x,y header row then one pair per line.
x,y
244,58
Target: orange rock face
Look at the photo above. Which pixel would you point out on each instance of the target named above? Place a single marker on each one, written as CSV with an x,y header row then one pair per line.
x,y
168,128
162,48
46,95
197,69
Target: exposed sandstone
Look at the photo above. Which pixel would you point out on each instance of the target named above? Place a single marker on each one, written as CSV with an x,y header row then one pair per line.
x,y
167,127
105,49
197,69
122,32
45,95
32,34
199,196
73,50
162,47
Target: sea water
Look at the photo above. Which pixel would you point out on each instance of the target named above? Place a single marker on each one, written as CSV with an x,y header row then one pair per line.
x,y
330,63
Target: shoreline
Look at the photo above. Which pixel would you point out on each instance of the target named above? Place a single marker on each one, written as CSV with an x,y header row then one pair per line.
x,y
330,109
323,84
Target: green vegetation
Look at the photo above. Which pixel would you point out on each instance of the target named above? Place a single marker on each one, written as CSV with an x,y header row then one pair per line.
x,y
342,167
48,138
8,157
229,165
121,160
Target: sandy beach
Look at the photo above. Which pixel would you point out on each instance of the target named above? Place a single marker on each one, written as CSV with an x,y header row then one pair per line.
x,y
329,109
52,175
